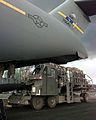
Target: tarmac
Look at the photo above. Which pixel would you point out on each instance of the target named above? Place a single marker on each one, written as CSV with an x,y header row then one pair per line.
x,y
74,111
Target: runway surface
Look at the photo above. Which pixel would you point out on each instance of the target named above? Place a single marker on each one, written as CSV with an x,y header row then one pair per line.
x,y
76,111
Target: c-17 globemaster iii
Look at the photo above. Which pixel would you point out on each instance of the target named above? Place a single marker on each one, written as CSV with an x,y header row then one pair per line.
x,y
29,35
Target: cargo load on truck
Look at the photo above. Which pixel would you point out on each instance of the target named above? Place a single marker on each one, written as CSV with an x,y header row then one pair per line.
x,y
52,84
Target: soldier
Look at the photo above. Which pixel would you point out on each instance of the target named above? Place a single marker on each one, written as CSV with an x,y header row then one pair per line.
x,y
2,111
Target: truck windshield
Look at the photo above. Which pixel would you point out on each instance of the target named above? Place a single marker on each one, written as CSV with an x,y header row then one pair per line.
x,y
38,69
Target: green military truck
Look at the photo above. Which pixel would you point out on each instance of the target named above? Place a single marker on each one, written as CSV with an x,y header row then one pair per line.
x,y
52,84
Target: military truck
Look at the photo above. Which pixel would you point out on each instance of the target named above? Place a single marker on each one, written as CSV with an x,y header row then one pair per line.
x,y
52,84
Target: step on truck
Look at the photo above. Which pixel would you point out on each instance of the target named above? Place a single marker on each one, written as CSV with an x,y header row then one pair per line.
x,y
52,84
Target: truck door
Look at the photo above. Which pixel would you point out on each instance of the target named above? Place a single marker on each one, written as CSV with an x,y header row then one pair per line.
x,y
51,82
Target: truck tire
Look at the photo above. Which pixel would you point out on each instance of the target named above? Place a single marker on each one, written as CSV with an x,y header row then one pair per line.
x,y
85,97
51,101
37,103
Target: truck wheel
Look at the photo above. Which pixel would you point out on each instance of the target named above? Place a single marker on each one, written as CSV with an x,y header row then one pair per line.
x,y
51,101
85,97
37,103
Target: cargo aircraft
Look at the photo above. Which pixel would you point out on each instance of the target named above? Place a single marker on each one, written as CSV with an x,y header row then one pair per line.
x,y
29,35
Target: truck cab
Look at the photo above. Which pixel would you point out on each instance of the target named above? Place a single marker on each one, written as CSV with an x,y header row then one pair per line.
x,y
45,80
